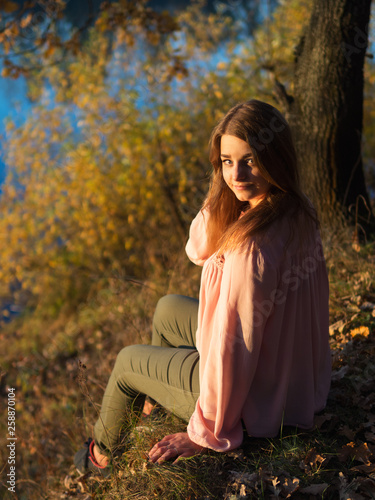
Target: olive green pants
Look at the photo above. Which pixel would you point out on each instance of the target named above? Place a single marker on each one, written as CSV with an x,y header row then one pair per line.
x,y
167,371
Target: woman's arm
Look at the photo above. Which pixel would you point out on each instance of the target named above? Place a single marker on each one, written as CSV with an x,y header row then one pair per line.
x,y
230,354
228,362
197,245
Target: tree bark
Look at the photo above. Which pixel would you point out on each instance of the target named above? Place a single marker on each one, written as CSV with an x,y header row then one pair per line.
x,y
326,111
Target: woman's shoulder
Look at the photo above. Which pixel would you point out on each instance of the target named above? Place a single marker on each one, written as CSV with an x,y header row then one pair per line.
x,y
290,236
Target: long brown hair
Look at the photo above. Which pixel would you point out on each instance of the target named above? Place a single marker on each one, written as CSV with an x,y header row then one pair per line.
x,y
268,134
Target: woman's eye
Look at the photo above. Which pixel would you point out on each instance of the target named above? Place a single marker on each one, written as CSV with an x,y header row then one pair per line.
x,y
249,161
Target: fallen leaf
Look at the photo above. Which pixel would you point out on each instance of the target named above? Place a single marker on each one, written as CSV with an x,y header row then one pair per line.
x,y
255,481
347,491
312,460
367,468
68,481
352,308
367,484
238,454
289,486
339,325
360,452
82,484
339,374
368,306
274,485
362,330
357,299
319,420
244,477
347,432
315,489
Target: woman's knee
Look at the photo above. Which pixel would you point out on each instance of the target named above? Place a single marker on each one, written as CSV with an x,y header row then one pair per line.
x,y
127,357
166,306
170,304
174,321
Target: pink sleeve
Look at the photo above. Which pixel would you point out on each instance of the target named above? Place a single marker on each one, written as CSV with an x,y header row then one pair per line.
x,y
197,247
229,358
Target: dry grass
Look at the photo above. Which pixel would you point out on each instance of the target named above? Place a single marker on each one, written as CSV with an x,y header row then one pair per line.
x,y
54,416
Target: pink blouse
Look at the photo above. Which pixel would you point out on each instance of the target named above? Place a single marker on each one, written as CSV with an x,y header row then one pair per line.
x,y
262,336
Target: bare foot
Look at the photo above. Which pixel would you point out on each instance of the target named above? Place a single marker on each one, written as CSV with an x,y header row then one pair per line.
x,y
101,460
147,408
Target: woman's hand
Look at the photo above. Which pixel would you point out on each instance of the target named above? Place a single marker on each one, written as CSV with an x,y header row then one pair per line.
x,y
174,446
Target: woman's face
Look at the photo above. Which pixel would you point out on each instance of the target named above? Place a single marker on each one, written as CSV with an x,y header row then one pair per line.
x,y
240,171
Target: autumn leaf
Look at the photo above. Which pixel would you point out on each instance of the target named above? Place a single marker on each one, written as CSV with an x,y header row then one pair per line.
x,y
314,489
367,468
289,486
26,20
243,490
49,51
347,491
347,432
312,461
362,330
356,452
339,325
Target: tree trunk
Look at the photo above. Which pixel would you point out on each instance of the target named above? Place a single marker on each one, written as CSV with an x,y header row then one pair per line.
x,y
326,110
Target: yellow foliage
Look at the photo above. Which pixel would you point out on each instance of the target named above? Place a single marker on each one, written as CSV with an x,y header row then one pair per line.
x,y
110,177
8,7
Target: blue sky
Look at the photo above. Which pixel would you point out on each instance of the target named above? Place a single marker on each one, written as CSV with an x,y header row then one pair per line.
x,y
13,104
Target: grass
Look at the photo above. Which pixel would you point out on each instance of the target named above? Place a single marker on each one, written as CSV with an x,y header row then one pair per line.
x,y
336,460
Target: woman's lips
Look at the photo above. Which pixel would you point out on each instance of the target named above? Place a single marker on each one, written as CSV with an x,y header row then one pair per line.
x,y
243,186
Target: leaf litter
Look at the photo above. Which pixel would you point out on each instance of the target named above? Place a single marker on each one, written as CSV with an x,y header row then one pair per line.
x,y
334,461
347,471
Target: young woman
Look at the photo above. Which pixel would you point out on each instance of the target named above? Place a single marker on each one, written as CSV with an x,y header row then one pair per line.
x,y
253,353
